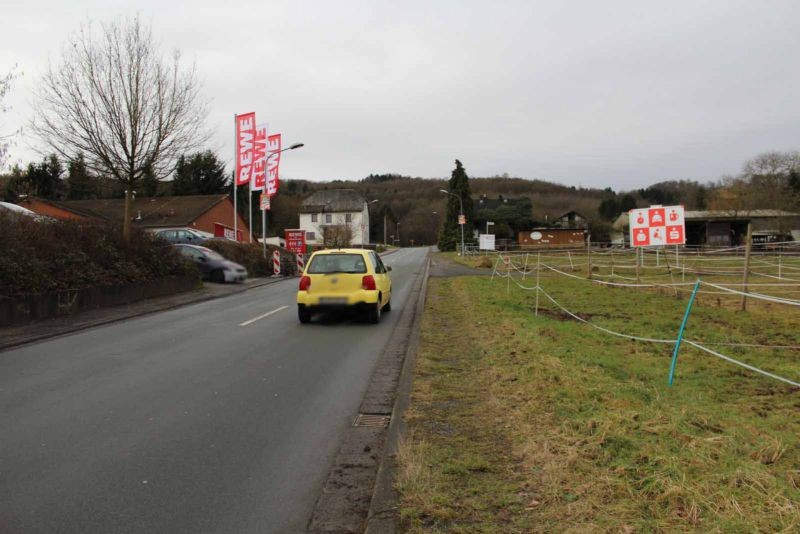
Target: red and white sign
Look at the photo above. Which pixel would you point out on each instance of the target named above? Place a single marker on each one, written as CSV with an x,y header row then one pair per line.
x,y
259,175
245,133
657,225
276,263
221,230
273,148
301,264
265,205
296,241
462,219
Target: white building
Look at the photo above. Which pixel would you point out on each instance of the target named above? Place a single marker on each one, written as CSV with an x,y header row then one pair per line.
x,y
335,217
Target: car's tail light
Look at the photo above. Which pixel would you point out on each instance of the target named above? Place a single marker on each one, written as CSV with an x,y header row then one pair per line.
x,y
305,283
368,283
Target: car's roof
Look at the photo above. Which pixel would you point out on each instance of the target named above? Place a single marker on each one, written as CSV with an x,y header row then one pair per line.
x,y
343,251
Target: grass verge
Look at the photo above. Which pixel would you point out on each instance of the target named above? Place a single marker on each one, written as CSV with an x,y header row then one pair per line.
x,y
521,423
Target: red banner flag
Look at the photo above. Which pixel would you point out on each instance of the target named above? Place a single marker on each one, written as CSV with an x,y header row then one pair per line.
x,y
245,132
259,159
273,147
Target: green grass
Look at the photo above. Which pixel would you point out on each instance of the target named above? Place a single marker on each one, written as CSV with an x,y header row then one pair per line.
x,y
521,423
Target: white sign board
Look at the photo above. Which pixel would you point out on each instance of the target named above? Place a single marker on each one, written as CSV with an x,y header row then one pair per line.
x,y
486,242
657,225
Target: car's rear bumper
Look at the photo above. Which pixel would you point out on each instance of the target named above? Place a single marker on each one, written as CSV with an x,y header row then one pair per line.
x,y
332,300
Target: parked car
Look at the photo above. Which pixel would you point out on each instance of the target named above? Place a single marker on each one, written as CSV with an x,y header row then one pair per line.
x,y
181,235
212,265
345,279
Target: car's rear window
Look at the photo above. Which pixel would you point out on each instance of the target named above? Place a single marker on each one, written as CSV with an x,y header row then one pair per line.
x,y
337,263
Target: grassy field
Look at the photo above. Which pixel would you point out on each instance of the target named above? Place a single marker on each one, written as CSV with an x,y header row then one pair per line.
x,y
521,423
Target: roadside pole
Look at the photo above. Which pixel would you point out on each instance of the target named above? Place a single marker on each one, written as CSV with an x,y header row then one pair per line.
x,y
636,258
525,268
571,265
745,276
680,333
233,182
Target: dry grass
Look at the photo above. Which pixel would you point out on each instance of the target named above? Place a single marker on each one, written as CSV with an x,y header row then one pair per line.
x,y
537,424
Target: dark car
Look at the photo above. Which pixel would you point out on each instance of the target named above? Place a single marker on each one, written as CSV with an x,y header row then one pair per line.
x,y
212,265
181,235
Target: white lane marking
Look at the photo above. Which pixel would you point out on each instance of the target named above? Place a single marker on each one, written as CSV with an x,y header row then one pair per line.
x,y
254,319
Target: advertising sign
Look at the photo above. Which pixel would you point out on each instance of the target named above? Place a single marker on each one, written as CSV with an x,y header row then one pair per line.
x,y
273,147
462,219
264,198
221,230
259,174
657,225
296,241
486,242
245,133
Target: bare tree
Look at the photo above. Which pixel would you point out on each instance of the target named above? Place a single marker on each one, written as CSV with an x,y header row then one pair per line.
x,y
118,101
338,235
6,82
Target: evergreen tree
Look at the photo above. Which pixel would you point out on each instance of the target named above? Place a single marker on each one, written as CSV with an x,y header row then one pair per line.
x,y
450,237
45,178
148,187
200,174
626,204
81,185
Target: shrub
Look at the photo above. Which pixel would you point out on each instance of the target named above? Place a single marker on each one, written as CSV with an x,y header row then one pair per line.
x,y
42,256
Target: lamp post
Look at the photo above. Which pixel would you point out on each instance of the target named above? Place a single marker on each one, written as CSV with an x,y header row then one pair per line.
x,y
460,215
397,231
264,212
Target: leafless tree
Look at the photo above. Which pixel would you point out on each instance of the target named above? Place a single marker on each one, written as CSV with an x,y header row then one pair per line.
x,y
116,99
338,235
5,138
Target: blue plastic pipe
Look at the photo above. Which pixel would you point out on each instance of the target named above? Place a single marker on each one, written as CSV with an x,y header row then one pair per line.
x,y
680,333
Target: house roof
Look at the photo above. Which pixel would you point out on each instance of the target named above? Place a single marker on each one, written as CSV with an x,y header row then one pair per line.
x,y
146,212
570,212
333,200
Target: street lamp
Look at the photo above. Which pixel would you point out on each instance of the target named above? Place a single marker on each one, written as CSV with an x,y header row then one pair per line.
x,y
460,215
264,212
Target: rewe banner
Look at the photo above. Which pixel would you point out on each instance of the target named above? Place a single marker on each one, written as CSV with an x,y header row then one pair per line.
x,y
273,147
259,178
245,134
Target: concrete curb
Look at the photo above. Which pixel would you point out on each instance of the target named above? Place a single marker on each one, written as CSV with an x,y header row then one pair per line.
x,y
62,330
346,500
383,514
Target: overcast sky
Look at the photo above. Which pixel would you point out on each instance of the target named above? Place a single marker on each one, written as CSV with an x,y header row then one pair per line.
x,y
614,93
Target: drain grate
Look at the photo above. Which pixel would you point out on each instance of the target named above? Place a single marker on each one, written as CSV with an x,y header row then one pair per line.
x,y
372,420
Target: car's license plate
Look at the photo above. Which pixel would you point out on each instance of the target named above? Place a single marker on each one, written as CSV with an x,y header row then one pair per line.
x,y
333,301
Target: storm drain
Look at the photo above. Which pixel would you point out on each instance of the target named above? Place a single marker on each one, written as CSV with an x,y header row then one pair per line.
x,y
372,420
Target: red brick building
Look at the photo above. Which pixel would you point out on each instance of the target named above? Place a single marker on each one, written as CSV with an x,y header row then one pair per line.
x,y
200,212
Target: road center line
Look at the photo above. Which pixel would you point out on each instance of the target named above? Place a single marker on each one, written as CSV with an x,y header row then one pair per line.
x,y
254,319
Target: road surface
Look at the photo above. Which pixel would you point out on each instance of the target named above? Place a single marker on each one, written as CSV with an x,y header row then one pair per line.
x,y
222,416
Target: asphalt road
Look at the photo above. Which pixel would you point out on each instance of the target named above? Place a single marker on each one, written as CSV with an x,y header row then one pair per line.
x,y
199,419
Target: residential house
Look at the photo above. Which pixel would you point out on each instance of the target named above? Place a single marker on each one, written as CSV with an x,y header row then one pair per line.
x,y
335,217
211,214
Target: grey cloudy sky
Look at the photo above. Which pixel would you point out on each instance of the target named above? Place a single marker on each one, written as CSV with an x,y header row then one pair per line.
x,y
614,93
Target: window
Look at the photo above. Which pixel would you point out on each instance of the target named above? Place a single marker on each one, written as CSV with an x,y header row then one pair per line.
x,y
377,265
328,218
310,236
348,218
314,217
337,263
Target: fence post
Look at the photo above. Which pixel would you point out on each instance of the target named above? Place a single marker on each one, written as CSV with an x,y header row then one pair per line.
x,y
495,266
525,268
636,259
780,265
658,264
680,333
669,270
589,256
571,265
612,263
538,265
748,247
508,274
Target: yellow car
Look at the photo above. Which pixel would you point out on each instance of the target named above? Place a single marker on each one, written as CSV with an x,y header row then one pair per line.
x,y
345,279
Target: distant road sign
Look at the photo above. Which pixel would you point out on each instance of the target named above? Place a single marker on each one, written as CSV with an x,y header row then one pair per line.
x,y
657,225
462,219
265,202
